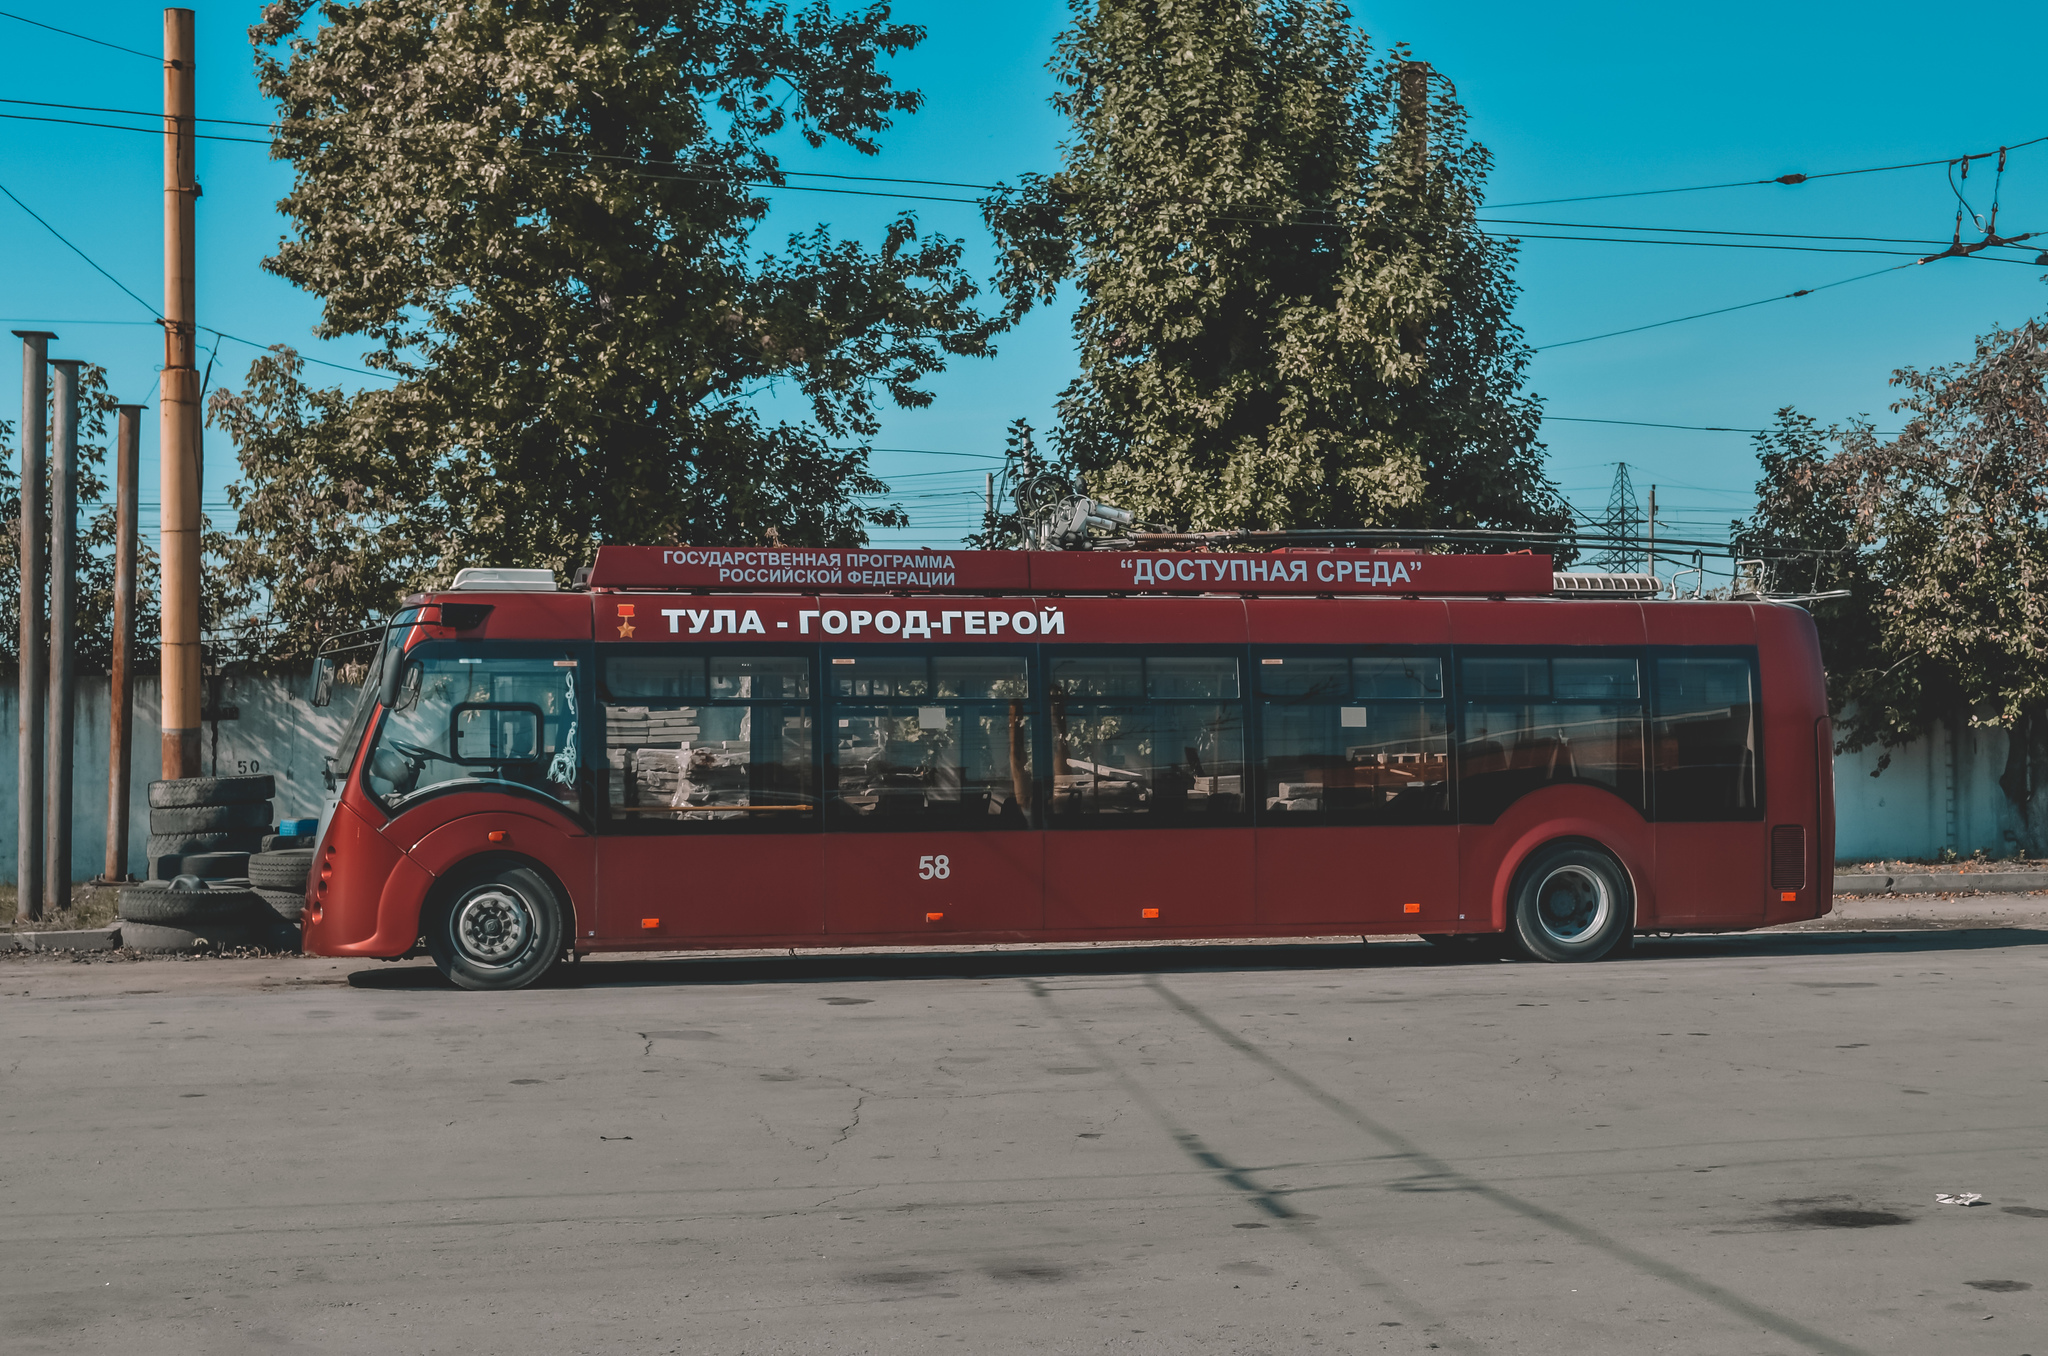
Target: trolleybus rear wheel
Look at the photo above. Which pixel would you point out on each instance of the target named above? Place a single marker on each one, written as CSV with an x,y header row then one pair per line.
x,y
1572,902
500,928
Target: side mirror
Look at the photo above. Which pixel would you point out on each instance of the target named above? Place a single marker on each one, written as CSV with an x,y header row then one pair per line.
x,y
323,682
394,671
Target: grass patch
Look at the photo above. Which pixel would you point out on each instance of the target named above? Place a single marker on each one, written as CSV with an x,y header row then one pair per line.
x,y
91,906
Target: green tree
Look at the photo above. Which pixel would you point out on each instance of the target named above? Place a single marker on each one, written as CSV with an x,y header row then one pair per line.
x,y
1804,534
541,211
1288,315
1953,513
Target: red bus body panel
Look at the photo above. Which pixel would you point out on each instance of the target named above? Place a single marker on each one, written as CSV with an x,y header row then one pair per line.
x,y
374,873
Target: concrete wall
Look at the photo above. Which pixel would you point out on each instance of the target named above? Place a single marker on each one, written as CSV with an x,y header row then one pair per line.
x,y
276,732
1940,793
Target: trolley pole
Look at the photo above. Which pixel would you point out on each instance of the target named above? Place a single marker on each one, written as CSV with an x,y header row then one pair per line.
x,y
1652,570
63,635
28,839
121,678
179,414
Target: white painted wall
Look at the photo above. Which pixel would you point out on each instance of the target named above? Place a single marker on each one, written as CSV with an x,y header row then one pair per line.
x,y
1935,794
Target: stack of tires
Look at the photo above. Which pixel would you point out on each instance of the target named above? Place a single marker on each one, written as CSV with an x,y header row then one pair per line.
x,y
206,836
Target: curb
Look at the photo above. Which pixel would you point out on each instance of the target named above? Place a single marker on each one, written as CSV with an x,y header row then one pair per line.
x,y
1943,883
89,939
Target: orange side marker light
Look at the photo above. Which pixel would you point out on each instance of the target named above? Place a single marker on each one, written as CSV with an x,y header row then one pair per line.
x,y
1148,913
496,835
933,917
1411,908
1788,896
649,924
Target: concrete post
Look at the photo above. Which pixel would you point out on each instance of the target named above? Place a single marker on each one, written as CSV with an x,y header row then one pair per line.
x,y
121,674
28,845
63,634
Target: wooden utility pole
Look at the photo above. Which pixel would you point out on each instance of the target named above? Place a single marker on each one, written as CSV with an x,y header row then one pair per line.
x,y
28,778
179,412
121,678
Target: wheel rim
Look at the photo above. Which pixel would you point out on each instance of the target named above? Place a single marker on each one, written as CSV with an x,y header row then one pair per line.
x,y
1573,904
493,925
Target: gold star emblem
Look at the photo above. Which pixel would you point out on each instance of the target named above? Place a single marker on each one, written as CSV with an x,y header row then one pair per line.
x,y
625,628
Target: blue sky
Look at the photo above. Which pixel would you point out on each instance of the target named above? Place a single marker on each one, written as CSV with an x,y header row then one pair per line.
x,y
1571,99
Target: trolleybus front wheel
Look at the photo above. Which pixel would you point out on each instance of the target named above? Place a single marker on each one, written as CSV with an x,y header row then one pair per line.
x,y
1572,902
500,928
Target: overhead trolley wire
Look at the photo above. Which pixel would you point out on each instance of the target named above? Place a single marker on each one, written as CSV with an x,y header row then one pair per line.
x,y
1724,310
97,42
1787,179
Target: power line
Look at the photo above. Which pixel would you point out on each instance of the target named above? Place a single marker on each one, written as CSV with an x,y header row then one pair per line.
x,y
1703,230
119,127
1788,179
67,243
1724,310
97,42
131,112
1733,245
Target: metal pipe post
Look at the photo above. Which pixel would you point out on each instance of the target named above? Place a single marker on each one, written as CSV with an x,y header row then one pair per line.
x,y
121,677
28,841
63,634
178,482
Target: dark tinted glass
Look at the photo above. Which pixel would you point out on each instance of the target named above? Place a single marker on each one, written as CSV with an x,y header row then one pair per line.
x,y
1506,677
1706,740
717,744
1536,722
1120,758
1419,677
930,742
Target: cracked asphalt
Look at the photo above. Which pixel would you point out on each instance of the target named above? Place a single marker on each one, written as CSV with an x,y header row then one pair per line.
x,y
1717,1145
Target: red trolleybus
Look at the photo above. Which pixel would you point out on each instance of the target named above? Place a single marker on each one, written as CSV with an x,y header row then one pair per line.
x,y
699,748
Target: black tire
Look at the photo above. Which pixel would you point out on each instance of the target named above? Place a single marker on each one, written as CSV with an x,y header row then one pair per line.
x,y
211,937
282,842
286,870
187,908
215,865
184,844
286,904
253,816
1572,902
499,927
189,791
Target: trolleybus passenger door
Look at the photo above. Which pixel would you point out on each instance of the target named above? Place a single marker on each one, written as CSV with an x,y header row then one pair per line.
x,y
711,823
1353,792
1149,818
1705,766
931,797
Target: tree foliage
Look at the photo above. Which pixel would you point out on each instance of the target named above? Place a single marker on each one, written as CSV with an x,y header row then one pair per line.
x,y
1948,525
1288,315
1956,509
96,537
541,212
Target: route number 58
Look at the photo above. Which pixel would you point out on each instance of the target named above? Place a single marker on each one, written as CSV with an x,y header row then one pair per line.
x,y
933,868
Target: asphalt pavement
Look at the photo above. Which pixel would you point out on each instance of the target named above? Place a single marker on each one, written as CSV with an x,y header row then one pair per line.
x,y
1716,1145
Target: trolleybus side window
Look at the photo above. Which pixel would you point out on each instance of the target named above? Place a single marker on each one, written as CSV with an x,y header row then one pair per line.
x,y
479,721
1537,720
1353,740
929,741
709,740
1705,754
1143,739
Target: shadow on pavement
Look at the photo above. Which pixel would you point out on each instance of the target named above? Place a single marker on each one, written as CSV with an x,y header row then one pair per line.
x,y
1053,961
